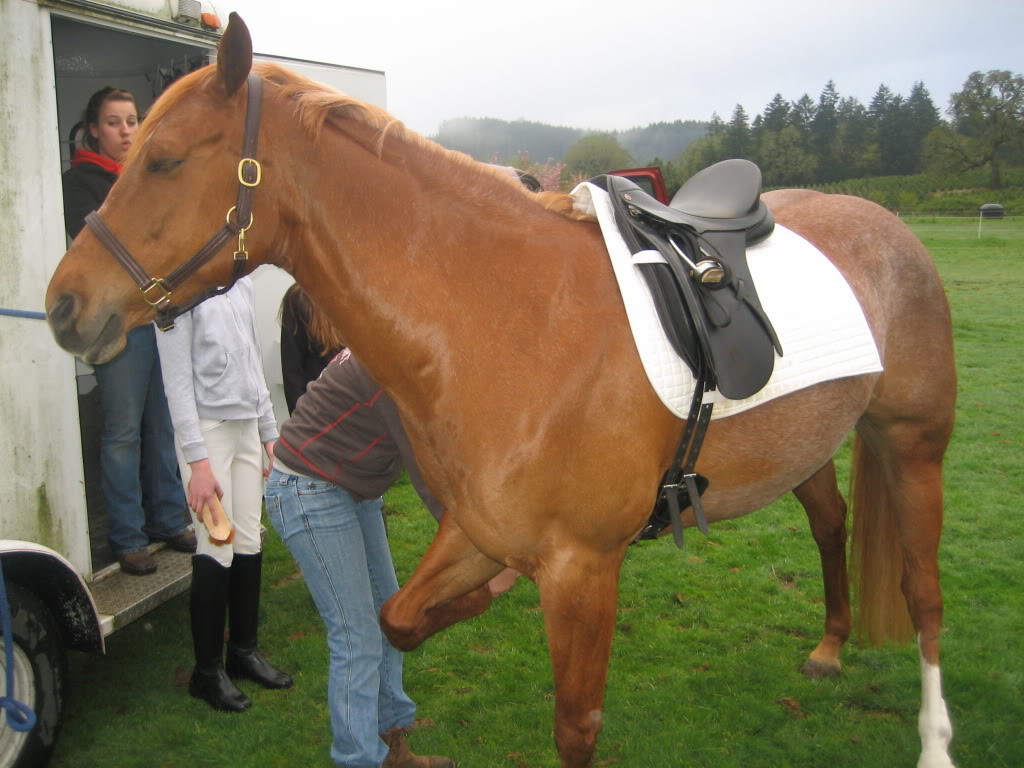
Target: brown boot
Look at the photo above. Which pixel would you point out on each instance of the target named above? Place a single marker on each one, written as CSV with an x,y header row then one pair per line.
x,y
399,755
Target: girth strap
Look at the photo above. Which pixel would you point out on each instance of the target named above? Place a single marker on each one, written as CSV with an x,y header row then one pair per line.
x,y
157,291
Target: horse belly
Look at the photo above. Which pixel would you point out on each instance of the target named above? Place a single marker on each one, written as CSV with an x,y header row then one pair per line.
x,y
757,456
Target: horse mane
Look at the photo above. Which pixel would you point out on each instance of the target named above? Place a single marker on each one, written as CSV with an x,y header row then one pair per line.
x,y
316,105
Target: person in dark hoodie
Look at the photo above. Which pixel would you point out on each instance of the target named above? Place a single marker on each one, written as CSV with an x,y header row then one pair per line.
x,y
144,497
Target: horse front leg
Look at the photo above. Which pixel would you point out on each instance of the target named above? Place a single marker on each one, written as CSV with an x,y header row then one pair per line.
x,y
449,585
579,594
826,512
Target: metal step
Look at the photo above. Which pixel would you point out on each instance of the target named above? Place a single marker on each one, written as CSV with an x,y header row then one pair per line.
x,y
121,598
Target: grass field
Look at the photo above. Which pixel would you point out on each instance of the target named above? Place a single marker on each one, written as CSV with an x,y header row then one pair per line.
x,y
708,642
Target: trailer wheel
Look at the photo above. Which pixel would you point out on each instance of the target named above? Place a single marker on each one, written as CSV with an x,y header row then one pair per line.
x,y
40,670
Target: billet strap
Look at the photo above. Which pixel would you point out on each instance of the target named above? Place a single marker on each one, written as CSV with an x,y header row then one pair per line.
x,y
680,476
157,291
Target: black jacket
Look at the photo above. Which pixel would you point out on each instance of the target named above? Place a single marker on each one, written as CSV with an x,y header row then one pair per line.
x,y
86,186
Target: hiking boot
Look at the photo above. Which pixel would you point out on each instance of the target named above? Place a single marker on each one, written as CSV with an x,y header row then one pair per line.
x,y
400,756
137,563
183,542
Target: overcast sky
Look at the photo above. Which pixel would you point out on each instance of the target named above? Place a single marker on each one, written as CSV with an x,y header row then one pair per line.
x,y
608,65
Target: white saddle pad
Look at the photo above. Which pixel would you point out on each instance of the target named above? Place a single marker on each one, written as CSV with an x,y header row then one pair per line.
x,y
823,332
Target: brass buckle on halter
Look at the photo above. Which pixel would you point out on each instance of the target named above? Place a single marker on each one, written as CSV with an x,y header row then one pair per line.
x,y
163,301
241,254
259,172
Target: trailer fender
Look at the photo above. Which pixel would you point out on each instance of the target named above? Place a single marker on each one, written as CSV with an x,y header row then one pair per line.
x,y
59,587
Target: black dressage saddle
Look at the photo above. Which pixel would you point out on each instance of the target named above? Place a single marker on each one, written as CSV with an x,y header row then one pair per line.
x,y
706,301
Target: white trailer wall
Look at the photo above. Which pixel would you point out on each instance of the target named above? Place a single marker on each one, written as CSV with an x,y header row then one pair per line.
x,y
41,491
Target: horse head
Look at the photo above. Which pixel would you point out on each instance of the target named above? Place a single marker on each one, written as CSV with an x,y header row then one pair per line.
x,y
177,189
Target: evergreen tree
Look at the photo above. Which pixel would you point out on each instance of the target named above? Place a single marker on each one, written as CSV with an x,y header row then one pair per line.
x,y
737,135
776,114
802,114
898,149
889,118
879,103
922,118
716,127
856,154
824,128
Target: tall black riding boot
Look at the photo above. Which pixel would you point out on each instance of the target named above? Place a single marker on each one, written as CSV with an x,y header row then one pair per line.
x,y
209,599
244,660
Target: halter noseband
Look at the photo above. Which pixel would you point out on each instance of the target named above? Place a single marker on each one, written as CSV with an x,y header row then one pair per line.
x,y
249,176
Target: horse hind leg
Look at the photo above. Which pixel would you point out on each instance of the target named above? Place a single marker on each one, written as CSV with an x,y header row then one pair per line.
x,y
901,479
826,512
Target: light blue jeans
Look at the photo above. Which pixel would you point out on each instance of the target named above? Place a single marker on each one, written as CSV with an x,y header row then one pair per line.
x,y
342,548
139,469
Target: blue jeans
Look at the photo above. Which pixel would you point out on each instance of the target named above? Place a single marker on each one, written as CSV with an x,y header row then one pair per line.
x,y
341,546
139,468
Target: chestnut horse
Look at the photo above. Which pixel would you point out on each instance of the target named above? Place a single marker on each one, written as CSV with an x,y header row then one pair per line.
x,y
493,318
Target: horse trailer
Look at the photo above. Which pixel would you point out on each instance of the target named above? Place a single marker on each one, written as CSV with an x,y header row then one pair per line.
x,y
63,584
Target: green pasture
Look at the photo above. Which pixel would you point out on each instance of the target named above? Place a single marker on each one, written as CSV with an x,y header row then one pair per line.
x,y
709,639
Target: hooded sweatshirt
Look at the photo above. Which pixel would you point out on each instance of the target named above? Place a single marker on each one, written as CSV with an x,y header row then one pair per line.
x,y
212,369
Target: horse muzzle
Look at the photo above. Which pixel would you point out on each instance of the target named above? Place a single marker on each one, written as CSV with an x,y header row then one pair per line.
x,y
95,340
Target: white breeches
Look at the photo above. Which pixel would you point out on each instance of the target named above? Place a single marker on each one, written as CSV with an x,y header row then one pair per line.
x,y
236,458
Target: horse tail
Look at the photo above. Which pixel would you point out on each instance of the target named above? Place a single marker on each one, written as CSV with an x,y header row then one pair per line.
x,y
876,553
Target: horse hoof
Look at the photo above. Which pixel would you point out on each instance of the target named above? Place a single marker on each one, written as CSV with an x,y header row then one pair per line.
x,y
817,670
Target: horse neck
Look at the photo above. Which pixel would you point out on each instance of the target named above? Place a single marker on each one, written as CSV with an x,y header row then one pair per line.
x,y
409,254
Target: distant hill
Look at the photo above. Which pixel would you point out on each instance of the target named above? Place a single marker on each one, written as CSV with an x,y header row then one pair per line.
x,y
660,140
488,139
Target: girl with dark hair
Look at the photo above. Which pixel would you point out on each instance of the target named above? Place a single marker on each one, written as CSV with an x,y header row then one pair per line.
x,y
144,497
308,342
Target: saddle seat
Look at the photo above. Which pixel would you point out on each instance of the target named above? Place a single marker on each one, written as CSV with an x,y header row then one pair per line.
x,y
725,197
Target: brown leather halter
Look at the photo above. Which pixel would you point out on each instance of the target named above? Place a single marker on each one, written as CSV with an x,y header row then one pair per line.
x,y
250,173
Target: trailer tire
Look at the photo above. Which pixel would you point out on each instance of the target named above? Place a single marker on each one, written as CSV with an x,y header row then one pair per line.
x,y
40,671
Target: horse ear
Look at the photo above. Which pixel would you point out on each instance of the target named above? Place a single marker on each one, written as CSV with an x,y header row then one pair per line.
x,y
234,55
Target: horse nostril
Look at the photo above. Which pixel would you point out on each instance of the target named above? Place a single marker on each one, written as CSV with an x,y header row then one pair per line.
x,y
63,312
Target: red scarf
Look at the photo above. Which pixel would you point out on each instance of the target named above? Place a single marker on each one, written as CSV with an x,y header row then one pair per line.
x,y
85,156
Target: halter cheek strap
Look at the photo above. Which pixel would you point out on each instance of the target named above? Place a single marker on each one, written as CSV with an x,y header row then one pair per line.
x,y
157,291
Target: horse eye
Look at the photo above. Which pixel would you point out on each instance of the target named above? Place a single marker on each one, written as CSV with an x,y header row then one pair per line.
x,y
163,165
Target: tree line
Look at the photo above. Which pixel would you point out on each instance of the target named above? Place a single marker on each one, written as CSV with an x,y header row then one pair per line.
x,y
801,143
813,142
